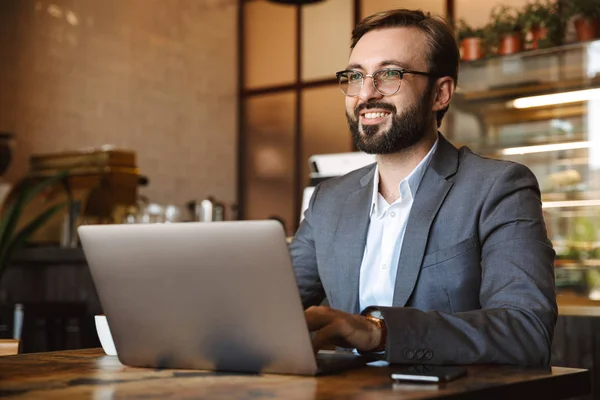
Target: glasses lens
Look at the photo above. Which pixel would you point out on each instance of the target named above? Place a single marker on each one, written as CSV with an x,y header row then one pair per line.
x,y
388,81
350,82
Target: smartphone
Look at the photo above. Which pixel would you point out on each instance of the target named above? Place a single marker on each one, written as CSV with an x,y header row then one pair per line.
x,y
429,373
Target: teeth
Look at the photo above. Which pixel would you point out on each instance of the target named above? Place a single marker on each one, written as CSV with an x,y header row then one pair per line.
x,y
375,115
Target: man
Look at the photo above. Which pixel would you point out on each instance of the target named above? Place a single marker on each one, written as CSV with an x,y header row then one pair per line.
x,y
433,254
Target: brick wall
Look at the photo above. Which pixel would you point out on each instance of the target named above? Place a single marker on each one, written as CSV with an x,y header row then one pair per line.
x,y
154,76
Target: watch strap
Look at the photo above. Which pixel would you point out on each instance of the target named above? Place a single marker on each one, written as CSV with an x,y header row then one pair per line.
x,y
373,315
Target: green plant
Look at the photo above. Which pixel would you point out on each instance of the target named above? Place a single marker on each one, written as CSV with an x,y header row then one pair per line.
x,y
464,31
10,240
505,20
543,15
584,8
536,15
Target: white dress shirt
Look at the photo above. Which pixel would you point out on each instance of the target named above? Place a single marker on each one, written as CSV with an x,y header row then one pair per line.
x,y
385,236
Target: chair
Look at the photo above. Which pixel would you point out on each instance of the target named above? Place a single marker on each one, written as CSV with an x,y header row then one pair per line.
x,y
9,347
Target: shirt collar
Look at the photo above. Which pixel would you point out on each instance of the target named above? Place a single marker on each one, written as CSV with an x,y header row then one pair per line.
x,y
413,179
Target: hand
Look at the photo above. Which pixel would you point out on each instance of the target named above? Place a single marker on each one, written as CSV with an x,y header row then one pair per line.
x,y
341,329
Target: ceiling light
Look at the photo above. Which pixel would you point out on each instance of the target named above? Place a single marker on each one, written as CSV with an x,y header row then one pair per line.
x,y
545,147
555,98
571,203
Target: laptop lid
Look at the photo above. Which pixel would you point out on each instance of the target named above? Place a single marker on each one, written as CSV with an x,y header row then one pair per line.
x,y
215,296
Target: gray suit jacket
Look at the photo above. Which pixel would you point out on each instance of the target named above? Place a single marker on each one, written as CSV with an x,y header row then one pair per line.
x,y
475,280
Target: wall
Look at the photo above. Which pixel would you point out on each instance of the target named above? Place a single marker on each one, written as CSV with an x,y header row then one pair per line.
x,y
158,77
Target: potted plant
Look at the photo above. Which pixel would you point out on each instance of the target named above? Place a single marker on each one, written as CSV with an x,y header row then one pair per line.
x,y
470,41
586,14
10,240
542,25
504,31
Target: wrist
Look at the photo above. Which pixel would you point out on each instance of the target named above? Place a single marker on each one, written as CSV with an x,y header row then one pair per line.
x,y
379,332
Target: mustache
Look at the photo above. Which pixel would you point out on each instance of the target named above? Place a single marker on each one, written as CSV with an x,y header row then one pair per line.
x,y
380,105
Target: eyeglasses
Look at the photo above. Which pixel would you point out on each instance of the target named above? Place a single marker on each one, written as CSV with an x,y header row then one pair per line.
x,y
386,81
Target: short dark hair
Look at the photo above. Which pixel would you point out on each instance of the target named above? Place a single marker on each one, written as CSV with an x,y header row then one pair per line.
x,y
444,56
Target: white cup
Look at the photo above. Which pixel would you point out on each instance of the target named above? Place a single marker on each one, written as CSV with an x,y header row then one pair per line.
x,y
104,335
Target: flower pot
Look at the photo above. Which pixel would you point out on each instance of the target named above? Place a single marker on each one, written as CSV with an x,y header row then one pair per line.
x,y
587,28
510,44
471,48
534,36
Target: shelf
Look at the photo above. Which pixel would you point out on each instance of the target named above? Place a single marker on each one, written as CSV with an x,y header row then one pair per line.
x,y
530,143
530,88
556,137
544,71
571,195
568,263
45,255
572,161
530,54
570,304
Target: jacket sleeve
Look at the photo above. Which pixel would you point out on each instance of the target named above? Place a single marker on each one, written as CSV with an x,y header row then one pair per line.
x,y
518,311
304,259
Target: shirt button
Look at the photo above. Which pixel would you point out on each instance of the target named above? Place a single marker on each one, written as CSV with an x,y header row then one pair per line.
x,y
392,214
384,266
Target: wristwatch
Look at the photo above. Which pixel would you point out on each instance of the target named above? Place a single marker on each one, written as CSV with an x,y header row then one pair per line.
x,y
373,315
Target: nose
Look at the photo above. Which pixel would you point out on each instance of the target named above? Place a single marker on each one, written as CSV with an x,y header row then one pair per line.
x,y
367,91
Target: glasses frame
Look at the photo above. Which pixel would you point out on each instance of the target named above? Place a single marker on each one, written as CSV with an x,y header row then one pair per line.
x,y
401,71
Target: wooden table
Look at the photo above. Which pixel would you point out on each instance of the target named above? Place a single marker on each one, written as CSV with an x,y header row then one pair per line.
x,y
91,374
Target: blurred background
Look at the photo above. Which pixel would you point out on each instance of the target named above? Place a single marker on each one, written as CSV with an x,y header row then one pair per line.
x,y
207,110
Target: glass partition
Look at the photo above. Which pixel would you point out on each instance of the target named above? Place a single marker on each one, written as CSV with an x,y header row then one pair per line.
x,y
542,108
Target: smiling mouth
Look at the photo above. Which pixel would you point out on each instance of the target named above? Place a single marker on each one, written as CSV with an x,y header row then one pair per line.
x,y
375,115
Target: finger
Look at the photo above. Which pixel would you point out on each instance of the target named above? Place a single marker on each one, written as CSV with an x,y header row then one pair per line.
x,y
318,317
352,332
325,337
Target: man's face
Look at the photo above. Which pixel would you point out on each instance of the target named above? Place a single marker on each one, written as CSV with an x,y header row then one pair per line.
x,y
388,124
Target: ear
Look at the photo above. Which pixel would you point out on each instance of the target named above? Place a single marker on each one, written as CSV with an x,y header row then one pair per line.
x,y
445,90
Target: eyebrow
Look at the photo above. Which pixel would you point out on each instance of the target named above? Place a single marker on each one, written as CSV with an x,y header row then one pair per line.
x,y
381,64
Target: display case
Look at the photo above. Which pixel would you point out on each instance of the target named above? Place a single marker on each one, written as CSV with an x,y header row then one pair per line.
x,y
542,108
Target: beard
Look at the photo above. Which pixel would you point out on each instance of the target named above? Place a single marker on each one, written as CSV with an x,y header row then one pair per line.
x,y
406,129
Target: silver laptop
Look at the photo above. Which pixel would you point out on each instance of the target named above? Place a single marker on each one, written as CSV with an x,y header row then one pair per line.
x,y
216,296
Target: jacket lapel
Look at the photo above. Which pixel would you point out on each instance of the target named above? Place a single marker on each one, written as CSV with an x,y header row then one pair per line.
x,y
435,185
350,238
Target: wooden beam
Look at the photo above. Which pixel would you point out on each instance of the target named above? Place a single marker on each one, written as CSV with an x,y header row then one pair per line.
x,y
241,116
